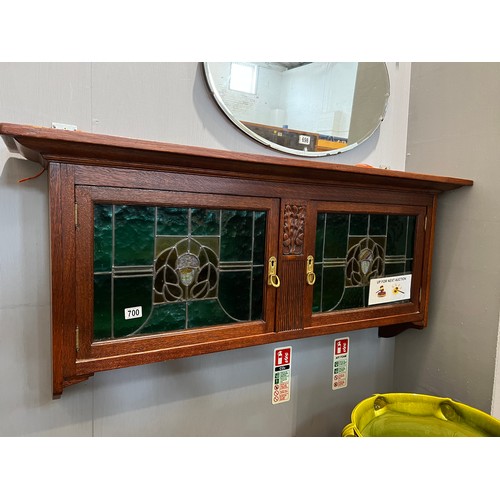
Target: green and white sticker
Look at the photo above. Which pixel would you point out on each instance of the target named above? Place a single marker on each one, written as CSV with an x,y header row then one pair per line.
x,y
340,363
282,375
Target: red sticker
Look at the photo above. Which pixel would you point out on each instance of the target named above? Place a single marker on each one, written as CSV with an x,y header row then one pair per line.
x,y
342,346
283,356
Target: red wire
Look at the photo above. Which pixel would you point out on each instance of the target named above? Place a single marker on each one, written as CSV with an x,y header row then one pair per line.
x,y
34,176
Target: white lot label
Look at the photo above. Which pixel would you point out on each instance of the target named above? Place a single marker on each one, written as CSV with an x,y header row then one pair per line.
x,y
282,375
392,289
340,363
133,312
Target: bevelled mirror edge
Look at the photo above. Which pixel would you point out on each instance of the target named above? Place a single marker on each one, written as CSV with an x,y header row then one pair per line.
x,y
350,98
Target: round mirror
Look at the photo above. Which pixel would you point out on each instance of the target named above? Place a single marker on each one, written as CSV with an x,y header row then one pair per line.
x,y
302,108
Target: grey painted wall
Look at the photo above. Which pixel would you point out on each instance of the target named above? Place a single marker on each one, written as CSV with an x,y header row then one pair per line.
x,y
223,394
454,130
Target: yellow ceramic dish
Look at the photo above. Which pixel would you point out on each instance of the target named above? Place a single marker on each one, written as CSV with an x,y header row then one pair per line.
x,y
418,415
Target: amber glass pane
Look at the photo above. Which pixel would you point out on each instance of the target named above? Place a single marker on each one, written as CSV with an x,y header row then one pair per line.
x,y
352,249
159,269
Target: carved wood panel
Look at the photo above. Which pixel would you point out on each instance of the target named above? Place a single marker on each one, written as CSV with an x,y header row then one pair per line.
x,y
293,229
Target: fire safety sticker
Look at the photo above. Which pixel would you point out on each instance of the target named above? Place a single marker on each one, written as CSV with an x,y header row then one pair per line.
x,y
340,363
282,375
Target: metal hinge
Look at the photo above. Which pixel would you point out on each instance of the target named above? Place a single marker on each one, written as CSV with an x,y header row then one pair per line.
x,y
420,296
425,223
76,214
77,333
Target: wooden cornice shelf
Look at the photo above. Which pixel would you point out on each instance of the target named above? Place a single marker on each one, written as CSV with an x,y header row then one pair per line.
x,y
41,144
379,225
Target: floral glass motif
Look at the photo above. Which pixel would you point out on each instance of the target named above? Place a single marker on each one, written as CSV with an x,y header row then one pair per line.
x,y
365,260
180,267
352,249
187,275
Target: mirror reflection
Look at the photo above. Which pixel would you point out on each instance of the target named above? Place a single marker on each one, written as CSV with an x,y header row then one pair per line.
x,y
303,108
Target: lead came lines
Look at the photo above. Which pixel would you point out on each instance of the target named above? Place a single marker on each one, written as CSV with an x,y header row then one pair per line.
x,y
178,255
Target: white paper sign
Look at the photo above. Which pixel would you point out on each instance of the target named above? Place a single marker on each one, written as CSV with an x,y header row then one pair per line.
x,y
133,312
390,289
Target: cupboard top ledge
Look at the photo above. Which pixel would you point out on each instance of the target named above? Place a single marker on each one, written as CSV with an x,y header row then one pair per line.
x,y
44,145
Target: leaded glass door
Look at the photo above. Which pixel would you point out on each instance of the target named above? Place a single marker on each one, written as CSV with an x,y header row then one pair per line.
x,y
365,257
160,265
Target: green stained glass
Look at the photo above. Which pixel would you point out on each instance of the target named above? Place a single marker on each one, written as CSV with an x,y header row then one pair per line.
x,y
236,235
318,271
378,224
257,288
397,234
333,286
181,267
134,235
204,221
410,243
353,297
233,293
103,237
353,249
130,293
102,306
166,317
359,224
259,236
172,221
336,232
320,233
206,313
394,269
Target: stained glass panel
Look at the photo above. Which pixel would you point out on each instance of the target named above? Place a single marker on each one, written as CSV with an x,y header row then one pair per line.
x,y
133,228
174,268
103,237
352,249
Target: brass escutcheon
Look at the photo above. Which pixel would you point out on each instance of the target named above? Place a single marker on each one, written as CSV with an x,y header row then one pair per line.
x,y
310,276
272,277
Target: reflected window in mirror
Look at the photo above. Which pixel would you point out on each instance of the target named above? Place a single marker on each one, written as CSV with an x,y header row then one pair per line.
x,y
243,77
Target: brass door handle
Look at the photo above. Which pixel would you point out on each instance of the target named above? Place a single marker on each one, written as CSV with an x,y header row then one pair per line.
x,y
272,277
310,276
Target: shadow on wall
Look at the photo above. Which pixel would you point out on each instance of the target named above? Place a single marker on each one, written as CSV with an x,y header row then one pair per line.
x,y
15,170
